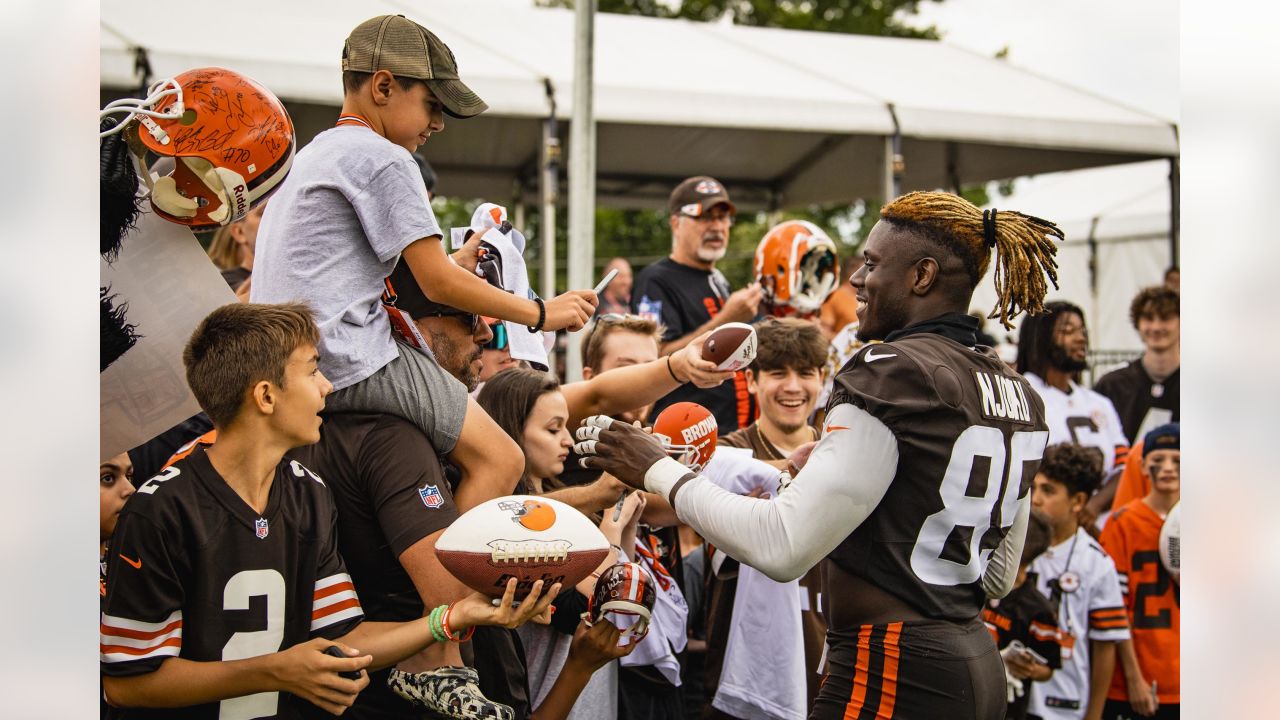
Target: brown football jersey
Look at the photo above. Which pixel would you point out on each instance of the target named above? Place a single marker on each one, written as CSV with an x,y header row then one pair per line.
x,y
970,435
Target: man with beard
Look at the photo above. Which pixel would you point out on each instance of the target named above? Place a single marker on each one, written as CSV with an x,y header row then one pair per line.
x,y
918,494
689,296
1052,350
394,500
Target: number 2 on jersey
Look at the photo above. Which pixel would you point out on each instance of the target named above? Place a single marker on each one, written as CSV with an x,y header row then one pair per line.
x,y
242,587
961,510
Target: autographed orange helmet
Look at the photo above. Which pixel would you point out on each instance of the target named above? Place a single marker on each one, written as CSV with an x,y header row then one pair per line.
x,y
689,432
231,140
797,268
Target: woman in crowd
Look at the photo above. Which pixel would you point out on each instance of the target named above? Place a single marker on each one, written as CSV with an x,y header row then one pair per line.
x,y
529,406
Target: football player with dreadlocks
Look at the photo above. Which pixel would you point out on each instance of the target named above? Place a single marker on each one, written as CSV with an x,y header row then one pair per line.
x,y
918,493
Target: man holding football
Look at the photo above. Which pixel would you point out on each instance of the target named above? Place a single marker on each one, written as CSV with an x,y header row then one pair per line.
x,y
918,492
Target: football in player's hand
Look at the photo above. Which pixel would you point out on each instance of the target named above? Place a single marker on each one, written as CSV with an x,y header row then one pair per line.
x,y
529,538
731,346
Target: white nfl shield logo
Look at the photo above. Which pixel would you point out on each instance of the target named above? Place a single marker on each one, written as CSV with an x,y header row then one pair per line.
x,y
431,496
260,528
707,187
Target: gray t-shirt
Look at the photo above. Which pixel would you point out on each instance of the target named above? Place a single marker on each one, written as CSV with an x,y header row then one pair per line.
x,y
545,650
330,235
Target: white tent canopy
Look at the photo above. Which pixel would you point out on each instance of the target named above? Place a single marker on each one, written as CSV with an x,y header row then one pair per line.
x,y
783,117
1128,223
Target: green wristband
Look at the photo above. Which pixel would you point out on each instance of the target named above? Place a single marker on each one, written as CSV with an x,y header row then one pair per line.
x,y
436,625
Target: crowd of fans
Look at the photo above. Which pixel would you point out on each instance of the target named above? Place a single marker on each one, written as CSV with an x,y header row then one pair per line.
x,y
369,388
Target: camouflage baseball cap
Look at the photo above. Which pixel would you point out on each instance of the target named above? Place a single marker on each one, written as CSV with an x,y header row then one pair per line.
x,y
406,49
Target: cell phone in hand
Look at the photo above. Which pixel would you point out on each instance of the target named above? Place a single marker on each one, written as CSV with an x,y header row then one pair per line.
x,y
1027,652
336,651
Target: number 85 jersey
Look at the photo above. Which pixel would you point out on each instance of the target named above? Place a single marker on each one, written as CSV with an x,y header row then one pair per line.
x,y
970,435
194,572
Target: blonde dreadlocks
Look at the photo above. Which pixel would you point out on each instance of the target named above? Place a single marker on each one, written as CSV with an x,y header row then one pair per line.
x,y
1024,250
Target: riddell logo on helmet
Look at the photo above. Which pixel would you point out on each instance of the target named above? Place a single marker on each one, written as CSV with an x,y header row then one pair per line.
x,y
693,432
242,200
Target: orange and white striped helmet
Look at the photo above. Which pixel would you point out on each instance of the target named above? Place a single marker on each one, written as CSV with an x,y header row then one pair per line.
x,y
797,268
231,140
625,592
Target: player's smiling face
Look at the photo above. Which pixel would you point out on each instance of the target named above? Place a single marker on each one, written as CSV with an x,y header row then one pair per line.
x,y
786,395
298,404
883,283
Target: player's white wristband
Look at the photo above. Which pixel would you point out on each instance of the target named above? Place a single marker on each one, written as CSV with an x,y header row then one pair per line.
x,y
662,477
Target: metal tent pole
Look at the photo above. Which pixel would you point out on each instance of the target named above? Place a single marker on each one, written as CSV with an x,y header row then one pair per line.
x,y
582,171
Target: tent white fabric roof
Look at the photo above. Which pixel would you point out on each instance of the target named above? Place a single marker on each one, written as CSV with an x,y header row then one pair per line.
x,y
783,117
1127,217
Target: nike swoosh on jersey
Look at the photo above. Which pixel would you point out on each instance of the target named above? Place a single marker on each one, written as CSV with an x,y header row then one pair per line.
x,y
871,357
137,564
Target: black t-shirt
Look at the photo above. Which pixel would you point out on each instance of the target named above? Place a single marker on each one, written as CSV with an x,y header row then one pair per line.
x,y
683,299
195,573
1026,616
152,455
1143,404
235,276
390,491
970,435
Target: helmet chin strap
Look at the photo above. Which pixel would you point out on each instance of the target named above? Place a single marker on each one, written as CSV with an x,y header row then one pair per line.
x,y
167,87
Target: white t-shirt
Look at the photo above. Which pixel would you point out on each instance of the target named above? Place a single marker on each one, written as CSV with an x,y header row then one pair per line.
x,y
763,676
1089,613
330,235
1083,417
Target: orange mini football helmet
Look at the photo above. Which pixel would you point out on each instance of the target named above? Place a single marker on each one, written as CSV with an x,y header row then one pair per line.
x,y
797,268
689,432
231,140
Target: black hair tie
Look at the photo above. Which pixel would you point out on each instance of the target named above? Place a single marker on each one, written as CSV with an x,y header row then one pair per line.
x,y
989,226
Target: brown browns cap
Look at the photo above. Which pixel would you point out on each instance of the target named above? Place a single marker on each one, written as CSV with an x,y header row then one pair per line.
x,y
406,49
697,195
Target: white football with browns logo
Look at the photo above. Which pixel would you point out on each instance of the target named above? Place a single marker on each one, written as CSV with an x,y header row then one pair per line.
x,y
732,346
522,536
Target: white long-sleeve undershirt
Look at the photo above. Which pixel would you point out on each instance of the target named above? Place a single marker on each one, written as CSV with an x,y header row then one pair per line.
x,y
846,476
844,480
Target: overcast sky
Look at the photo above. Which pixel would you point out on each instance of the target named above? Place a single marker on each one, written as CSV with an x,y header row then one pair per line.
x,y
1126,50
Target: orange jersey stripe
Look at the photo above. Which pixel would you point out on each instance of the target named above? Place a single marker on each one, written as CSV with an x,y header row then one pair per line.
x,y
332,590
336,607
171,642
139,634
889,690
859,695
